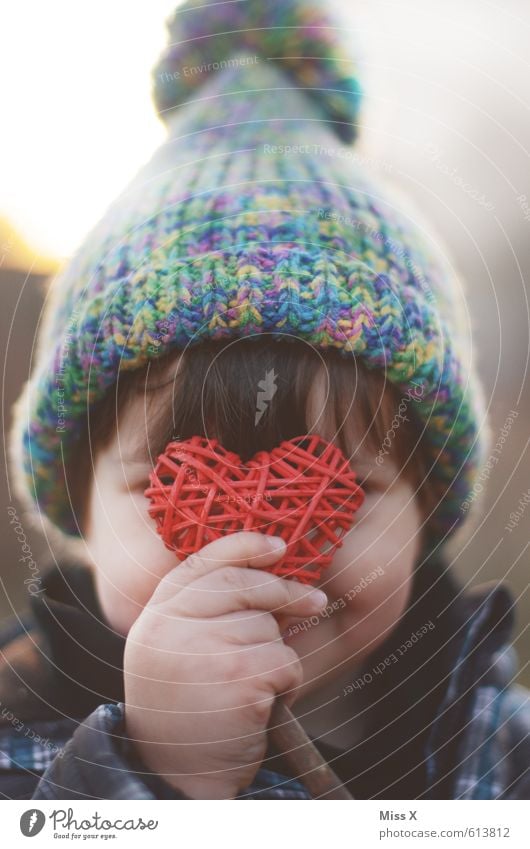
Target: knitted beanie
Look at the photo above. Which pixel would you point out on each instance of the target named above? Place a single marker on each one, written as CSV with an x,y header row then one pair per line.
x,y
255,216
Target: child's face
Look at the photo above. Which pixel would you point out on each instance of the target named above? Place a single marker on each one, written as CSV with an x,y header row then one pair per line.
x,y
130,559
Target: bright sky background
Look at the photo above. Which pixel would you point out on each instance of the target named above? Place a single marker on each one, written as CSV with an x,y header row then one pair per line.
x,y
78,122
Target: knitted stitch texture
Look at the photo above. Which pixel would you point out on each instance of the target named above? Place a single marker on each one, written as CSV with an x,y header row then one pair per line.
x,y
253,217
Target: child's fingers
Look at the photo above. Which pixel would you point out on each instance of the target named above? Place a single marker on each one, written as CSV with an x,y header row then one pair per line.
x,y
231,631
231,588
261,669
245,548
280,669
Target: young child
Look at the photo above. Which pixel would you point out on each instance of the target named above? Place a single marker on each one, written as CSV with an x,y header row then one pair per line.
x,y
255,284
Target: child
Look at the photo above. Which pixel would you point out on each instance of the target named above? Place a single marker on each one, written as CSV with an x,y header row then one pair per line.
x,y
252,255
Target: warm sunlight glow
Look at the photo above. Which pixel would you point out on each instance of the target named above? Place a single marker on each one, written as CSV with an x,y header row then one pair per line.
x,y
77,119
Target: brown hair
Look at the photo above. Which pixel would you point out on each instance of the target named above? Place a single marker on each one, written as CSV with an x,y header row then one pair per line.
x,y
211,389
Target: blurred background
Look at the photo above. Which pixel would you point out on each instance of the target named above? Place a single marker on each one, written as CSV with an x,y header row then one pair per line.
x,y
446,120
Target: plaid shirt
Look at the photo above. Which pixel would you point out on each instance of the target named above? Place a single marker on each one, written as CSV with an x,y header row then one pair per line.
x,y
98,759
489,720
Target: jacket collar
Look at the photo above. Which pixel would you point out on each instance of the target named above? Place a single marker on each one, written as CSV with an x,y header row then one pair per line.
x,y
84,655
485,659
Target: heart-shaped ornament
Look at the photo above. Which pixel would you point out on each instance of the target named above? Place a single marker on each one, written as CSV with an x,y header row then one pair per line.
x,y
303,490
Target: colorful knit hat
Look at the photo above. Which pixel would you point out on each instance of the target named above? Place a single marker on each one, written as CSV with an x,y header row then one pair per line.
x,y
255,216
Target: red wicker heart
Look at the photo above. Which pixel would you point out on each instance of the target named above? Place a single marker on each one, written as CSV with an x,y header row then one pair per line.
x,y
303,490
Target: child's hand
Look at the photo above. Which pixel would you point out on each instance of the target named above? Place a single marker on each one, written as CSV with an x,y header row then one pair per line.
x,y
204,662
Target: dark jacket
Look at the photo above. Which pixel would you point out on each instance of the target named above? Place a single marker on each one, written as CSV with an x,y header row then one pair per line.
x,y
444,719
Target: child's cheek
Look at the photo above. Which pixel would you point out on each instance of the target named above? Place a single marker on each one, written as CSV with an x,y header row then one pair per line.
x,y
129,562
374,581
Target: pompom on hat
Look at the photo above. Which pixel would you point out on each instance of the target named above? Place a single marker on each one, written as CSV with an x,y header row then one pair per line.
x,y
255,216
